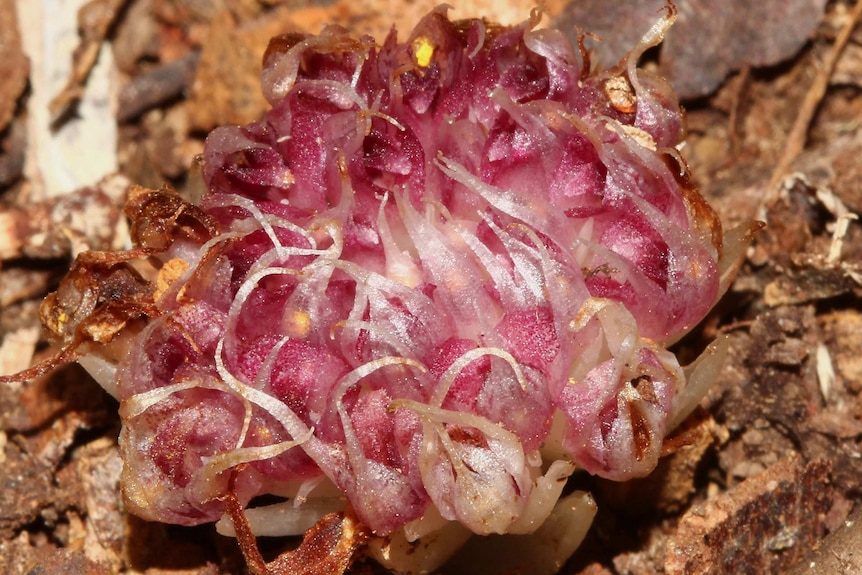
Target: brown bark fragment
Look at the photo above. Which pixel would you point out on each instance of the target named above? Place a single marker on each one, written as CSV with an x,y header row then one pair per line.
x,y
763,525
14,64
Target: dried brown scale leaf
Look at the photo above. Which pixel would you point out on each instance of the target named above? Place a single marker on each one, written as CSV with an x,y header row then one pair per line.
x,y
764,525
668,488
159,217
100,287
98,299
244,536
328,548
103,294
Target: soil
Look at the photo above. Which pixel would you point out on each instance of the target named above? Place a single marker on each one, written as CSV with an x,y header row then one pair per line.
x,y
763,478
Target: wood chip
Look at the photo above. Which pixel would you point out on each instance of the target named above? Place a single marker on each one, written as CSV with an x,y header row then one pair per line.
x,y
764,525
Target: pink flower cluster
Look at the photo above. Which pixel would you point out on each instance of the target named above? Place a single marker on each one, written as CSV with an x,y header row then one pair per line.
x,y
444,277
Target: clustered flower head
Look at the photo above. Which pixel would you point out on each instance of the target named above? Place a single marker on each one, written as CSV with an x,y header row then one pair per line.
x,y
437,277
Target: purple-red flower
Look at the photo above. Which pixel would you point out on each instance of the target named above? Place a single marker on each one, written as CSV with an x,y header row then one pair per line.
x,y
434,279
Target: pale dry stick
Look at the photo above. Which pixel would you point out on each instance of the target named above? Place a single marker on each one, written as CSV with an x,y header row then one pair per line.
x,y
798,134
95,20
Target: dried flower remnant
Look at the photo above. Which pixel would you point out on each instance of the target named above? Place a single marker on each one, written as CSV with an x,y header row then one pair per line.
x,y
434,279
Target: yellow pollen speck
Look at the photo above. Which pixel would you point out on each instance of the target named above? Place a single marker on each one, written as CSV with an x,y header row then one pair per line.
x,y
264,433
297,323
423,50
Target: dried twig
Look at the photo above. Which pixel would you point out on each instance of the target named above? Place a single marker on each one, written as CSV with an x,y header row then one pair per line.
x,y
798,134
157,86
